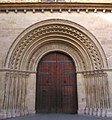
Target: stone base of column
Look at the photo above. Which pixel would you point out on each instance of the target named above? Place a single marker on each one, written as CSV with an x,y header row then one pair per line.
x,y
95,112
31,111
109,113
15,113
81,111
2,114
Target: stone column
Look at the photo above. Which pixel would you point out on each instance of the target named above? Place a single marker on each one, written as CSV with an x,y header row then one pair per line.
x,y
31,93
81,94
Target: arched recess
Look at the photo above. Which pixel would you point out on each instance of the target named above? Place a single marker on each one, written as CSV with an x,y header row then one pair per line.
x,y
51,35
56,84
70,38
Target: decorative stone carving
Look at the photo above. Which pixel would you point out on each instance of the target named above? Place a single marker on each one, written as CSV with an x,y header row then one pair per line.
x,y
60,31
74,40
38,6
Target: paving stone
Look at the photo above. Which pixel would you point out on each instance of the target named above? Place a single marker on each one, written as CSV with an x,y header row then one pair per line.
x,y
59,117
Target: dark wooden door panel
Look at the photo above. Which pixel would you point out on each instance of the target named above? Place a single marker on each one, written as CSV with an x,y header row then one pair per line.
x,y
56,84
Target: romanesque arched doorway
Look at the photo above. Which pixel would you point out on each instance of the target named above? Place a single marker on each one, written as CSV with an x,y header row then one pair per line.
x,y
45,37
56,84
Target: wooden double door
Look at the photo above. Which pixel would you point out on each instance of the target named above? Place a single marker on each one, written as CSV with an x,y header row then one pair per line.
x,y
56,87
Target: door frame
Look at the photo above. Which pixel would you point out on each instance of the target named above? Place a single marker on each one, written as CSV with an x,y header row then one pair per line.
x,y
36,98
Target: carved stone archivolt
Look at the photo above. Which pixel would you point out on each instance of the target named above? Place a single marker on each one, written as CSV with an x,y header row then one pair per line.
x,y
50,35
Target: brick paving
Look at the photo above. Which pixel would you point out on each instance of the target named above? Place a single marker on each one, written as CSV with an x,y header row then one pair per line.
x,y
59,117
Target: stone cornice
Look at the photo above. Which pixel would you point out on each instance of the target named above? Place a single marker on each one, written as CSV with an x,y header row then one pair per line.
x,y
55,6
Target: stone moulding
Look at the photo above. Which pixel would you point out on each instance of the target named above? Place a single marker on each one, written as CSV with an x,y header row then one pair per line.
x,y
56,7
52,35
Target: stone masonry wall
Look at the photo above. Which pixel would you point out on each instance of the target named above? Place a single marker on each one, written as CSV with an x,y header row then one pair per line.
x,y
99,24
12,24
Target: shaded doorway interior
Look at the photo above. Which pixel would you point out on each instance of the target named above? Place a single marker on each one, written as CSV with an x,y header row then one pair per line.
x,y
56,84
